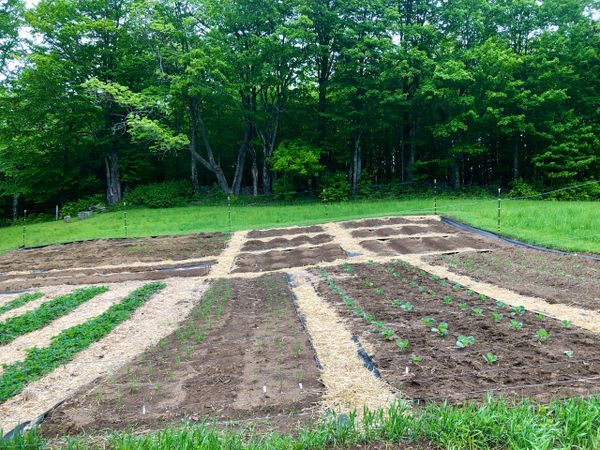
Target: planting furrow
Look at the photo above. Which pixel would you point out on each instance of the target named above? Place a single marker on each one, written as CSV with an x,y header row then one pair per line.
x,y
21,300
16,350
349,385
148,324
586,319
49,311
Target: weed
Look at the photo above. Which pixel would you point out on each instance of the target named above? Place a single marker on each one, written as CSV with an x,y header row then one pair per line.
x,y
464,341
299,376
98,394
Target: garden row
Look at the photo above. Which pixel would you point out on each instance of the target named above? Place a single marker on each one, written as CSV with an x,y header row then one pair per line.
x,y
432,339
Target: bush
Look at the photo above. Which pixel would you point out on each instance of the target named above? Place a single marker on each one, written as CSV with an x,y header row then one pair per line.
x,y
83,204
283,188
521,189
168,194
335,188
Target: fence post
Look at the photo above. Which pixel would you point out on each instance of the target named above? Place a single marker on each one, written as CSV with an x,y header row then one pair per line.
x,y
435,196
56,213
229,212
499,208
125,219
24,221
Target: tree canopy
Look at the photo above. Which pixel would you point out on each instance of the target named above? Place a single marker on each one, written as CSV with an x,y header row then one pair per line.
x,y
100,96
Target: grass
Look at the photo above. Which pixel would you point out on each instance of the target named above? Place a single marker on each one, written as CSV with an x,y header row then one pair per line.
x,y
496,423
568,225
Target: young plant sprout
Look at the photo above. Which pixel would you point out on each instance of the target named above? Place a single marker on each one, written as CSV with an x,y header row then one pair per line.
x,y
464,341
482,297
477,311
540,317
456,287
566,323
416,359
367,283
402,344
469,292
387,334
413,283
515,325
348,268
463,306
441,329
429,321
379,292
497,316
407,306
432,294
389,270
490,358
500,304
421,288
442,283
377,325
518,311
542,335
447,299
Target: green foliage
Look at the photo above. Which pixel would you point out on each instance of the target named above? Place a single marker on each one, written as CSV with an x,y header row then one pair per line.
x,y
84,204
65,345
20,301
297,158
168,194
464,341
334,188
36,319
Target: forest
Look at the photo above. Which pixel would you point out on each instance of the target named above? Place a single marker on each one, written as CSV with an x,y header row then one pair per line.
x,y
330,99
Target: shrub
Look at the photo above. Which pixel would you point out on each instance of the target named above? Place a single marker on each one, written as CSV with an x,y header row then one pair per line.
x,y
83,204
335,188
521,189
168,194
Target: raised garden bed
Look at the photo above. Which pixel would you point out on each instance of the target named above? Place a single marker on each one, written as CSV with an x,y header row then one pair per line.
x,y
281,259
279,242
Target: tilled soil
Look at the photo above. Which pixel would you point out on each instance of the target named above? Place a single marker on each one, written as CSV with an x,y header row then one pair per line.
x,y
256,245
414,245
259,234
106,252
434,227
365,223
566,279
238,356
106,275
525,366
281,259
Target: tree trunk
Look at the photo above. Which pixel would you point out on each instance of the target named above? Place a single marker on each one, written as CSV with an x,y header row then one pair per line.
x,y
456,172
516,171
194,174
254,173
357,164
113,177
412,151
15,207
266,176
241,160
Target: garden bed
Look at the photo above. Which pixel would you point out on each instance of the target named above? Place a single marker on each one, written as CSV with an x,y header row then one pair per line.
x,y
566,279
433,227
281,259
117,252
279,242
414,245
394,309
260,234
241,354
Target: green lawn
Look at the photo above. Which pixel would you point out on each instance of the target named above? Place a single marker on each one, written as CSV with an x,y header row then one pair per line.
x,y
571,226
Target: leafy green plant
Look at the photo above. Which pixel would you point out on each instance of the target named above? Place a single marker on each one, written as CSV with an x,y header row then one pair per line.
x,y
515,324
367,283
463,306
429,321
500,304
405,306
518,311
387,334
441,329
379,292
457,287
49,311
542,335
347,267
448,299
469,292
566,323
490,358
477,311
497,316
482,297
64,346
540,317
20,301
402,344
416,359
464,341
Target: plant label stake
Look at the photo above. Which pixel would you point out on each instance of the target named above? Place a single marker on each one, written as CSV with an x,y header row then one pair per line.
x,y
499,190
229,212
125,219
435,196
24,221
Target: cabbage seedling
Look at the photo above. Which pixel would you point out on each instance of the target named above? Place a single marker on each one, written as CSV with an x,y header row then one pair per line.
x,y
542,335
429,321
406,306
377,325
379,292
482,297
518,310
566,323
389,270
456,287
402,344
500,304
490,358
463,306
387,334
464,341
469,292
477,311
447,299
515,325
441,329
540,317
367,283
416,359
497,316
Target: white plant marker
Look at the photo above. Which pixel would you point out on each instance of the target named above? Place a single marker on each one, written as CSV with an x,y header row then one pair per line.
x,y
300,384
144,410
265,390
407,370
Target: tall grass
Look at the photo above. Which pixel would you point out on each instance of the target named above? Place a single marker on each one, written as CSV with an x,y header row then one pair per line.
x,y
569,225
496,423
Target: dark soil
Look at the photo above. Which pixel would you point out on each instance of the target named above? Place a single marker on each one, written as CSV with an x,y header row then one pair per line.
x,y
434,227
365,223
281,259
259,234
254,245
405,246
106,252
566,279
525,367
213,368
97,276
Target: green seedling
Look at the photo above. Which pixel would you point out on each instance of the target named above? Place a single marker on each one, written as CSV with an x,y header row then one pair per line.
x,y
515,325
542,335
371,263
387,334
297,349
413,283
434,278
348,268
469,292
402,344
518,311
429,321
442,283
389,269
500,304
367,283
421,288
416,359
463,306
370,318
490,358
378,325
477,311
406,306
379,292
482,297
566,323
497,316
464,341
457,287
359,312
432,294
448,299
441,329
540,317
